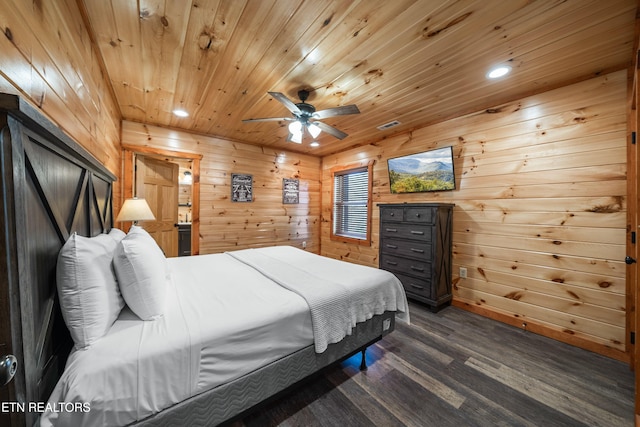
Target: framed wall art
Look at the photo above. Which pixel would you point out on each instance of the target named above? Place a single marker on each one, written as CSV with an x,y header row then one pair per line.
x,y
290,191
241,187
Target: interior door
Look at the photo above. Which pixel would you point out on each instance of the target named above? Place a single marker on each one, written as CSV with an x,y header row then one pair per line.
x,y
157,183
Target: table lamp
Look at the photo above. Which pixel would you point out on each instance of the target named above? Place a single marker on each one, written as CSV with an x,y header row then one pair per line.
x,y
135,210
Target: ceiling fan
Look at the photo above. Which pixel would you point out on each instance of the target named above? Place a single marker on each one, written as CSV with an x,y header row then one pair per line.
x,y
305,117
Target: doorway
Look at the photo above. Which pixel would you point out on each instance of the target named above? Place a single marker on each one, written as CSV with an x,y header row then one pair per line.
x,y
185,214
183,161
156,181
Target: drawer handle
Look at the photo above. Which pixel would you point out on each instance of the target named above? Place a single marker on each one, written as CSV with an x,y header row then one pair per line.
x,y
417,215
391,214
392,246
420,251
392,263
392,230
417,268
417,232
415,286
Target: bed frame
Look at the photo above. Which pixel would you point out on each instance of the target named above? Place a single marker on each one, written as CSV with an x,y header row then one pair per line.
x,y
51,188
238,397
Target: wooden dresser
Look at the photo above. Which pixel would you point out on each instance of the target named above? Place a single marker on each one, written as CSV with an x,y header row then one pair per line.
x,y
415,245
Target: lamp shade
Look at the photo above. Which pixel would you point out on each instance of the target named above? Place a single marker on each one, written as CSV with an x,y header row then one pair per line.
x,y
314,130
296,137
135,210
295,127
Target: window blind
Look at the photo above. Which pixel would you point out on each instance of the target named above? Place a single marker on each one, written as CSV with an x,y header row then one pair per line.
x,y
350,210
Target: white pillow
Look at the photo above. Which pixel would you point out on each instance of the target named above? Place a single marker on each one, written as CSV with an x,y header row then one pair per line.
x,y
87,287
142,272
117,234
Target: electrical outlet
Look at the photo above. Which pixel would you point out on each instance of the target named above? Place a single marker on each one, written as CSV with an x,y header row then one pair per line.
x,y
463,272
304,245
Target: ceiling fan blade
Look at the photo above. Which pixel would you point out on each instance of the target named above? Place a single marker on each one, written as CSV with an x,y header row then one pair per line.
x,y
267,119
337,111
331,130
291,106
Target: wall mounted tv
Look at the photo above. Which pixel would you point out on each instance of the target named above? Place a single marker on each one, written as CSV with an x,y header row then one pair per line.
x,y
427,171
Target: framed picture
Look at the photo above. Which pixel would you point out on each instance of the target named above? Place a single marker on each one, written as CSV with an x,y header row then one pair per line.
x,y
290,191
241,187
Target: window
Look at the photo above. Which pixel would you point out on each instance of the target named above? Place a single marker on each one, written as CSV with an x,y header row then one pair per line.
x,y
352,204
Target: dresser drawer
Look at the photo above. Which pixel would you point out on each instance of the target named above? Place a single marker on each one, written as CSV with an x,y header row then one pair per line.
x,y
408,248
392,214
422,215
414,285
406,231
404,265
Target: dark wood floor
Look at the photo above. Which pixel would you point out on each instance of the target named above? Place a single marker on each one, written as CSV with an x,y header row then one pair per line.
x,y
454,368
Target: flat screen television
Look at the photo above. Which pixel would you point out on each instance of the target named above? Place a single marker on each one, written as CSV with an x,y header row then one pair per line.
x,y
427,171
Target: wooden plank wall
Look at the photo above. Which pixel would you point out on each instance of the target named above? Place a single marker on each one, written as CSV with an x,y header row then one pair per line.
x,y
47,57
227,225
540,212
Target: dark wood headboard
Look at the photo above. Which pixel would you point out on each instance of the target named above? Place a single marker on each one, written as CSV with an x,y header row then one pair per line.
x,y
51,188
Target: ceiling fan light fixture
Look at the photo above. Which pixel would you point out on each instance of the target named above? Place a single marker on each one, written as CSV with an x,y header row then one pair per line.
x,y
303,113
314,130
295,127
296,137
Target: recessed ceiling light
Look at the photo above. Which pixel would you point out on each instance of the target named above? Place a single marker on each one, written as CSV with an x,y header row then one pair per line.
x,y
180,113
315,144
499,71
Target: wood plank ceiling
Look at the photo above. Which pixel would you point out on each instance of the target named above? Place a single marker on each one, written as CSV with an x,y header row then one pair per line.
x,y
415,61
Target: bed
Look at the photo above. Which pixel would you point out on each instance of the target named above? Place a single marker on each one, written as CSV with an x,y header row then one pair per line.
x,y
190,366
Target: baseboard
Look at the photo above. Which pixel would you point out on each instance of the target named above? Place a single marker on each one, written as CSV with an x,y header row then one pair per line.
x,y
546,331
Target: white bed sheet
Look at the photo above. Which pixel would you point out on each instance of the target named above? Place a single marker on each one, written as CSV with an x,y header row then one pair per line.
x,y
140,368
223,320
256,321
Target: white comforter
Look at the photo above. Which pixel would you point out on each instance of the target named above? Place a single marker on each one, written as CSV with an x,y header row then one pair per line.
x,y
224,319
339,294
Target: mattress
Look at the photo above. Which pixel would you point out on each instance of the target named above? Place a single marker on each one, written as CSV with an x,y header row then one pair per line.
x,y
225,403
223,319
